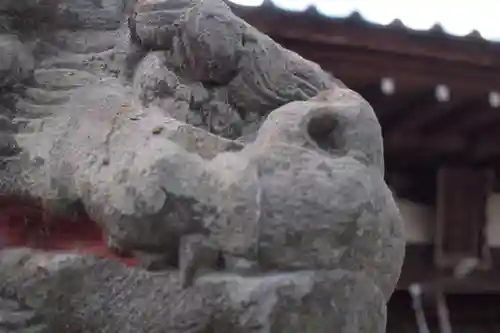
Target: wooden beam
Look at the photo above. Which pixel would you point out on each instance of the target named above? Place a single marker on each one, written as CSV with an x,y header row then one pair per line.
x,y
388,97
378,91
395,106
467,116
487,130
468,312
479,116
350,62
419,268
485,149
412,142
484,142
417,185
409,117
415,150
432,116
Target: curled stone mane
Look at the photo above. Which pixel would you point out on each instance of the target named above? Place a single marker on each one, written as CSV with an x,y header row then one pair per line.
x,y
166,167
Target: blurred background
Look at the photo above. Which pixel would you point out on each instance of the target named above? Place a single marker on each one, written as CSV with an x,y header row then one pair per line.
x,y
431,70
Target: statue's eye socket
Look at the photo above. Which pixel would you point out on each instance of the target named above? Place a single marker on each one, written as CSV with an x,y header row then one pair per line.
x,y
321,128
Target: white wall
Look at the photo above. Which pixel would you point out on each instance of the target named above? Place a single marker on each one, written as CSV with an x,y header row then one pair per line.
x,y
493,213
419,221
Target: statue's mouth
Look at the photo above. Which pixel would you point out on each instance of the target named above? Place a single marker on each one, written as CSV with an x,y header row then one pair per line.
x,y
24,224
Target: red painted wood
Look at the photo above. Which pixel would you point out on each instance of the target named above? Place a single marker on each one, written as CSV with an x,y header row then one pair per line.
x,y
24,225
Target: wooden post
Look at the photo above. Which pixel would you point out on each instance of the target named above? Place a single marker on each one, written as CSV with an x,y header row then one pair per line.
x,y
461,215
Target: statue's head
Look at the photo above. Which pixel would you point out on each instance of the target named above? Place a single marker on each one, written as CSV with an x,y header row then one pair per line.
x,y
172,121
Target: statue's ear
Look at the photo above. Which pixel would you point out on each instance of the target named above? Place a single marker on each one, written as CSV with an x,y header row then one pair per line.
x,y
338,121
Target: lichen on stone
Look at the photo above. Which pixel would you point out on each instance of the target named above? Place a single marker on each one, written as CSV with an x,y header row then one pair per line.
x,y
246,182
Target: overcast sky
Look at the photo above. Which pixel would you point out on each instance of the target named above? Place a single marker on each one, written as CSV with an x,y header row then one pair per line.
x,y
458,17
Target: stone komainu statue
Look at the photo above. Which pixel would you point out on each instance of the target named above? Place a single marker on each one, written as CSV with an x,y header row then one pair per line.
x,y
246,177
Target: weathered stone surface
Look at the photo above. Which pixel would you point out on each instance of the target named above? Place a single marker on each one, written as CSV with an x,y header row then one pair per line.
x,y
74,292
18,5
249,175
16,61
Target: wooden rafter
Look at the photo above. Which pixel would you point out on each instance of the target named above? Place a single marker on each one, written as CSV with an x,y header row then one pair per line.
x,y
411,143
488,129
390,106
416,109
432,116
468,115
486,143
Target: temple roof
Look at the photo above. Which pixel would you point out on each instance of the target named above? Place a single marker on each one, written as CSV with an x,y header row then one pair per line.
x,y
455,18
